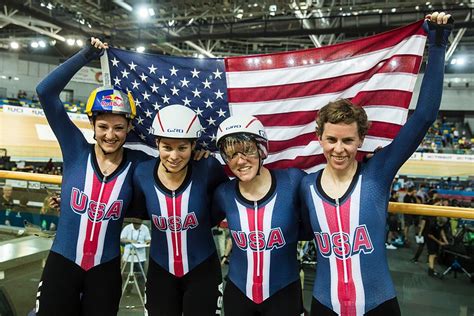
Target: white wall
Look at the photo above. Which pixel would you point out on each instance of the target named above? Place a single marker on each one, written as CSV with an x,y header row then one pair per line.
x,y
30,73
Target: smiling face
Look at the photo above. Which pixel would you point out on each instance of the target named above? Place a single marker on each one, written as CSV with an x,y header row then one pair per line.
x,y
243,159
340,143
174,153
110,131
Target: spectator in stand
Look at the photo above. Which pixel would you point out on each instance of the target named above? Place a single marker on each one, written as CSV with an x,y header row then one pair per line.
x,y
49,166
49,212
6,205
436,239
409,219
422,194
392,223
422,235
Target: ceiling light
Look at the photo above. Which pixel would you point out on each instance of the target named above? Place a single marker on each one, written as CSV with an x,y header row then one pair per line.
x,y
454,61
70,41
14,45
79,43
42,44
140,49
151,12
143,13
16,78
394,10
34,44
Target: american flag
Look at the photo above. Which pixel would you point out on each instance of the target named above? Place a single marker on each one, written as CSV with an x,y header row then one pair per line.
x,y
284,90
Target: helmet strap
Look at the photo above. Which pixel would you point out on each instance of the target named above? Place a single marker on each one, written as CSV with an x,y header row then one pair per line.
x,y
260,162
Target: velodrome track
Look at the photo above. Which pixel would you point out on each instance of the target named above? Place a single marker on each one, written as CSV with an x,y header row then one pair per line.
x,y
30,138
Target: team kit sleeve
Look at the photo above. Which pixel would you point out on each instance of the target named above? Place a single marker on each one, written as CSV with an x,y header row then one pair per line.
x,y
306,230
216,174
48,91
391,158
217,211
137,207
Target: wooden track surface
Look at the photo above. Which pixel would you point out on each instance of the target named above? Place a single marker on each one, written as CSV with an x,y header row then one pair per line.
x,y
20,136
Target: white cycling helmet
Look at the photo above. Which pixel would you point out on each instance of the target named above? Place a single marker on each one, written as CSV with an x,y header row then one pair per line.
x,y
176,121
244,125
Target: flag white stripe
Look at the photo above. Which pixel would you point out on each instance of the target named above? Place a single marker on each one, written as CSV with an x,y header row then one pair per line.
x,y
382,81
413,45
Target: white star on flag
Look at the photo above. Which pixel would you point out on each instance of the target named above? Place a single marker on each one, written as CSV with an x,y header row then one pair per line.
x,y
143,77
209,103
186,101
132,66
166,99
115,62
117,81
163,80
184,82
152,69
154,88
221,113
146,96
174,91
174,71
148,113
135,84
125,73
217,74
198,111
207,84
138,103
211,121
195,73
219,94
197,93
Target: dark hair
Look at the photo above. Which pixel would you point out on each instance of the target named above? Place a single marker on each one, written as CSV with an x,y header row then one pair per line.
x,y
342,111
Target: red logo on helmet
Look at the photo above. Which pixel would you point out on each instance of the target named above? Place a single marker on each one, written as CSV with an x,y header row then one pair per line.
x,y
111,100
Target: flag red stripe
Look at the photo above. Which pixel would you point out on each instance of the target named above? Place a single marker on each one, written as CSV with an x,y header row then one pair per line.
x,y
328,53
397,64
388,97
280,145
393,98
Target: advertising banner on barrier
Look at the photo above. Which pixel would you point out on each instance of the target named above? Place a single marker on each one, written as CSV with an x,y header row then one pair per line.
x,y
39,112
447,157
